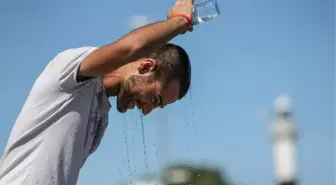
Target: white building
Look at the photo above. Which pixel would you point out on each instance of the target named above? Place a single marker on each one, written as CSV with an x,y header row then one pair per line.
x,y
147,182
284,149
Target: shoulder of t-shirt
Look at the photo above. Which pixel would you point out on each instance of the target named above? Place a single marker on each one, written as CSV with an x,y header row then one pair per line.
x,y
68,66
80,49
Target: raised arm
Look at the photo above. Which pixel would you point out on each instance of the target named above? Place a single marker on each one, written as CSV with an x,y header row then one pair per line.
x,y
138,43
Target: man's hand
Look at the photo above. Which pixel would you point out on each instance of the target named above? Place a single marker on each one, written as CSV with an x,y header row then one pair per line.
x,y
181,7
138,43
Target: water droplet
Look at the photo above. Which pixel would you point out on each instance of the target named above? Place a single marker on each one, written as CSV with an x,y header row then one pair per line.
x,y
143,140
127,148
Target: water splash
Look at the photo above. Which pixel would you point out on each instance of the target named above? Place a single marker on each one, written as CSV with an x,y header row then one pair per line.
x,y
133,146
192,104
127,148
143,140
193,114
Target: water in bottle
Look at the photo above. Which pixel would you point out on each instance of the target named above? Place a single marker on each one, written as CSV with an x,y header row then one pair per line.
x,y
205,11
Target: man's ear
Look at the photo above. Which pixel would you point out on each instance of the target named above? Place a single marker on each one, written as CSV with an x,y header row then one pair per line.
x,y
146,66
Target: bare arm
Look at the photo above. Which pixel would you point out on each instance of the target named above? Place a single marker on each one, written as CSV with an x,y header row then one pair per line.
x,y
132,46
138,43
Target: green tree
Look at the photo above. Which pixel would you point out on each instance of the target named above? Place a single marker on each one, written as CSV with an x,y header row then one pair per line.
x,y
190,175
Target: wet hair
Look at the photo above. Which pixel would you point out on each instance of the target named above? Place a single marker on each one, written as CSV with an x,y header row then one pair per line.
x,y
172,63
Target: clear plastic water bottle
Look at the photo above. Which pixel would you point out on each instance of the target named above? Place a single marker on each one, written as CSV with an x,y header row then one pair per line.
x,y
205,11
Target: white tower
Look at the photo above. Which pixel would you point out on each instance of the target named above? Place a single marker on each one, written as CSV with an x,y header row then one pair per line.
x,y
147,182
284,148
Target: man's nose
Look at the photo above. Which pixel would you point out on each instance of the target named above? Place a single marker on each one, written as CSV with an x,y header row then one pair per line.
x,y
147,112
148,109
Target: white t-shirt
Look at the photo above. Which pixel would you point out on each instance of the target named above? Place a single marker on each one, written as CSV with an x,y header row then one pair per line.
x,y
61,123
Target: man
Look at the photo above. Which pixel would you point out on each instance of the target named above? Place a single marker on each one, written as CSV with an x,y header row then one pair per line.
x,y
66,113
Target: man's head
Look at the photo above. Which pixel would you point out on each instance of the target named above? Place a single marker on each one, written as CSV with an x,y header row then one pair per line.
x,y
157,80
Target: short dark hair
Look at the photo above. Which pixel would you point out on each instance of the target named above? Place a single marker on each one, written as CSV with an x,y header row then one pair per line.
x,y
173,63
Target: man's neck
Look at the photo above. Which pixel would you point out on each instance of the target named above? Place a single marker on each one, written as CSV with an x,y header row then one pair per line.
x,y
112,84
113,81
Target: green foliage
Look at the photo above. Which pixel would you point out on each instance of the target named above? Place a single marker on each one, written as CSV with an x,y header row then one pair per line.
x,y
194,176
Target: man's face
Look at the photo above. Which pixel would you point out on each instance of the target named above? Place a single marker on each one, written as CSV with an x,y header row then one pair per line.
x,y
146,94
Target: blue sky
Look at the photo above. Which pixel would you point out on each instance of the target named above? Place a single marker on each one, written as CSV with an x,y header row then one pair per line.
x,y
240,63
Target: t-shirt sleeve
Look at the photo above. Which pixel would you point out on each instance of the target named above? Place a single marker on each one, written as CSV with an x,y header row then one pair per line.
x,y
67,65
